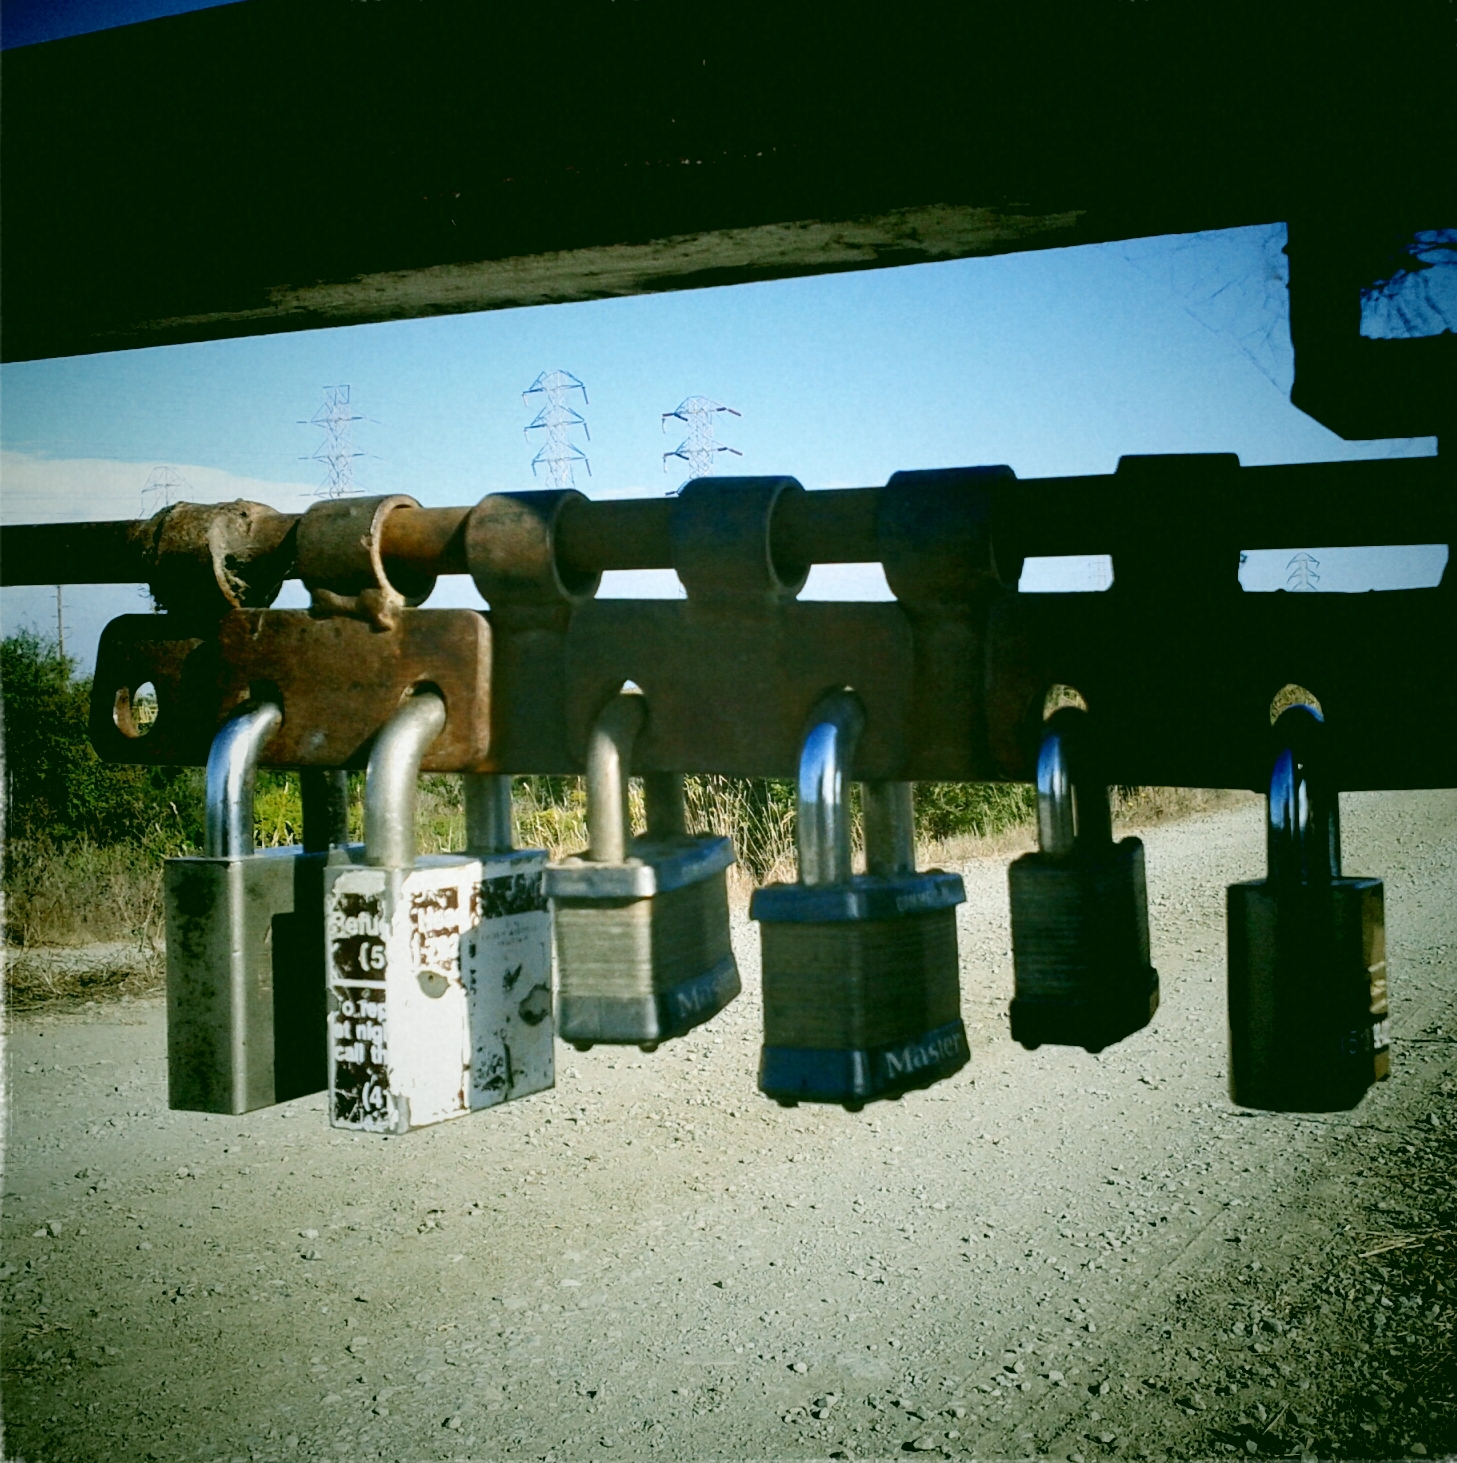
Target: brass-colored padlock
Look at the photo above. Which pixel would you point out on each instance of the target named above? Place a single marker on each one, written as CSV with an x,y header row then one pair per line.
x,y
642,924
862,996
1308,1028
1079,908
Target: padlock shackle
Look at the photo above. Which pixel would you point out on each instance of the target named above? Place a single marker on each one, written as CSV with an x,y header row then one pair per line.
x,y
232,768
665,804
324,793
488,813
609,763
822,806
392,778
1072,802
1302,826
889,813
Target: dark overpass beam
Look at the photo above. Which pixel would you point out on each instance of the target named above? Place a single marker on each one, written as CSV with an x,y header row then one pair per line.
x,y
289,164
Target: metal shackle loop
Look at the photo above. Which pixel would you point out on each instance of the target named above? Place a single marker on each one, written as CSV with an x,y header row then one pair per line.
x,y
488,813
324,792
1072,805
822,807
667,808
1302,829
609,760
392,776
232,767
889,811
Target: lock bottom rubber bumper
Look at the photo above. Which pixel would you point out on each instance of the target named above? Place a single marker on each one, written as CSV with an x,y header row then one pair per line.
x,y
646,1018
854,1077
1090,1022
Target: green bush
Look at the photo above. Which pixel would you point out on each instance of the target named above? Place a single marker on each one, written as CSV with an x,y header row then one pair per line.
x,y
57,788
976,809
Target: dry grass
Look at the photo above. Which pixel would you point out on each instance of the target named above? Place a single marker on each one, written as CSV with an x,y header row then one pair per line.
x,y
70,976
1143,807
81,894
83,921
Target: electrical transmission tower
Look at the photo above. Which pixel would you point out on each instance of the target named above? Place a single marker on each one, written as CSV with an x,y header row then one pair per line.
x,y
558,453
163,487
1301,576
336,420
698,449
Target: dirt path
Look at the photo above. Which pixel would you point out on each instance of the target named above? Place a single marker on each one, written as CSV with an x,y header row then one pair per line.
x,y
1052,1253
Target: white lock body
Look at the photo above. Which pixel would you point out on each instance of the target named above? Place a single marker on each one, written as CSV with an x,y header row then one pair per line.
x,y
439,989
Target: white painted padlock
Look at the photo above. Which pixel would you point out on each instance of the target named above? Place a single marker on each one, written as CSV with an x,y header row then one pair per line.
x,y
439,967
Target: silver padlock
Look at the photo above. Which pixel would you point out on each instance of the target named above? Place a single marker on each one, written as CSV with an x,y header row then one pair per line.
x,y
642,924
245,973
438,967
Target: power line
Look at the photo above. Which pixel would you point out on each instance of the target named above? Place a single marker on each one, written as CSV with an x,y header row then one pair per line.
x,y
335,418
699,449
556,420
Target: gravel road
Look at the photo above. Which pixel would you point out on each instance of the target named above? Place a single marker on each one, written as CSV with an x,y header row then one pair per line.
x,y
1050,1254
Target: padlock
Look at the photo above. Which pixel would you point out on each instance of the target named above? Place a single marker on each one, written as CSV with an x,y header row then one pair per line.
x,y
1079,906
642,924
438,967
862,996
506,959
1308,1028
245,972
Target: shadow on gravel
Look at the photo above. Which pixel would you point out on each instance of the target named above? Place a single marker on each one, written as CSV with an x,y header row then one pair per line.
x,y
1345,1351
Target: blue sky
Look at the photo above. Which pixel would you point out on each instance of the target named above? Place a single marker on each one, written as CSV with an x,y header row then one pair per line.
x,y
1053,362
28,22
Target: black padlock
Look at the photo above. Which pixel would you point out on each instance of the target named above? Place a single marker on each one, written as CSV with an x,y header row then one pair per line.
x,y
1308,1027
1079,908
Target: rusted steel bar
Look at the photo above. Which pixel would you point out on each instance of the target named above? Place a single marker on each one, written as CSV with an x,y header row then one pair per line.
x,y
832,526
628,533
118,552
1287,505
428,540
1328,504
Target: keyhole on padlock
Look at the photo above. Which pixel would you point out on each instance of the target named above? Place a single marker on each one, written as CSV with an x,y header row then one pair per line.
x,y
433,984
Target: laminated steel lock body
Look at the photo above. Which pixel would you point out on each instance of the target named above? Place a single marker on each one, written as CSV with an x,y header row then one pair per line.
x,y
1079,908
862,996
642,924
245,971
1308,1028
439,968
